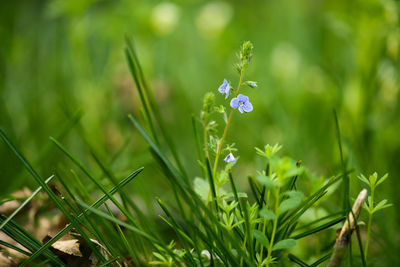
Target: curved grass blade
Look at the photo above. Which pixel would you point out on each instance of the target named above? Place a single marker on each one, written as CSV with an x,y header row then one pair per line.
x,y
308,202
320,228
297,260
3,243
321,260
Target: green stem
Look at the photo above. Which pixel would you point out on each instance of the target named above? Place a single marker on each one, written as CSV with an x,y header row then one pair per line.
x,y
368,234
271,243
370,211
244,246
221,142
205,136
226,127
266,205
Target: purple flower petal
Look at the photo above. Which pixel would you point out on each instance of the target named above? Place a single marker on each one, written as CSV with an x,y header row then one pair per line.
x,y
247,107
235,102
224,88
230,158
243,98
241,109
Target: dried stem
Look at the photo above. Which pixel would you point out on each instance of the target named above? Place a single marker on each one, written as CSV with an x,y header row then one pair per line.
x,y
344,237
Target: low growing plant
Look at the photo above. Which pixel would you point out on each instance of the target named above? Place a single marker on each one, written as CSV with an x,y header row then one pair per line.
x,y
217,225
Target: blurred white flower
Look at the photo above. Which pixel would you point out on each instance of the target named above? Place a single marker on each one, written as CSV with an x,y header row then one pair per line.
x,y
393,43
314,80
391,14
213,18
164,18
285,62
353,96
206,253
389,81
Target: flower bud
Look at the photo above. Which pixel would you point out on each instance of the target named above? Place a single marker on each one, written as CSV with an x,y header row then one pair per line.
x,y
208,102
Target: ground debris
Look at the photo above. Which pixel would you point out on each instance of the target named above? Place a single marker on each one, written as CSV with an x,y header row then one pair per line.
x,y
6,260
74,251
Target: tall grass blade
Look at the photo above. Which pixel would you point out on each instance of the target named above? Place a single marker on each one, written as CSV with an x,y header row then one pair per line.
x,y
139,76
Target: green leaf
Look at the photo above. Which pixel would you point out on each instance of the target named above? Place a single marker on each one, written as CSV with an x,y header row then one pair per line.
x,y
231,195
261,238
381,205
288,204
294,171
320,228
363,178
201,187
267,214
373,178
284,244
294,194
383,178
266,181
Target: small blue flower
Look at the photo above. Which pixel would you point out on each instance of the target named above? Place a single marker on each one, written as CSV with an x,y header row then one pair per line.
x,y
225,88
241,102
230,158
253,84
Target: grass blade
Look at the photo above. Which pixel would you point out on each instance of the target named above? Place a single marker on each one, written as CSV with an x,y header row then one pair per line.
x,y
24,203
99,202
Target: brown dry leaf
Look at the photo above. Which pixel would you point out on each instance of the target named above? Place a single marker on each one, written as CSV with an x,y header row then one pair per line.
x,y
12,253
76,252
10,206
6,261
93,257
49,226
86,249
69,251
70,247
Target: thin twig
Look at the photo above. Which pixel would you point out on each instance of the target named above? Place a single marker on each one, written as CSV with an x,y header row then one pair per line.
x,y
344,237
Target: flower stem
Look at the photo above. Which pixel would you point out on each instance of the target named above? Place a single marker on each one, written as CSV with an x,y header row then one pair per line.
x,y
221,142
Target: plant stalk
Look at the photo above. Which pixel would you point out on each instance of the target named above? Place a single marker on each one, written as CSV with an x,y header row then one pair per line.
x,y
226,127
344,237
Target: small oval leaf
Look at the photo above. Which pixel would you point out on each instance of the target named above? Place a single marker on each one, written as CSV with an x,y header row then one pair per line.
x,y
284,244
267,214
261,238
288,204
266,181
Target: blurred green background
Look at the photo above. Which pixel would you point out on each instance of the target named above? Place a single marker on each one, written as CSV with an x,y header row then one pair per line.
x,y
60,60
